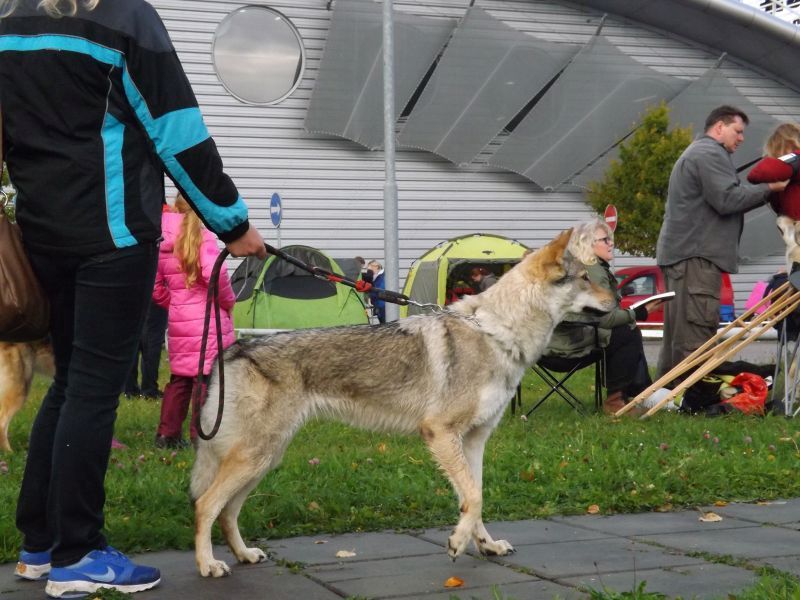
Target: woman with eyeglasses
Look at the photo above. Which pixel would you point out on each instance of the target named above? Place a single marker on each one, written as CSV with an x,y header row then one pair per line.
x,y
626,366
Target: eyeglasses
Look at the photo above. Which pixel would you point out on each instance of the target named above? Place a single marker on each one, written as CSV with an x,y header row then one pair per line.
x,y
605,240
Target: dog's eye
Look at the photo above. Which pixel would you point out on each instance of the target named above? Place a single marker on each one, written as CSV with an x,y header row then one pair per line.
x,y
585,276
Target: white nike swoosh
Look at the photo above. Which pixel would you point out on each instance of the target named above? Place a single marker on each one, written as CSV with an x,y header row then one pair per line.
x,y
106,577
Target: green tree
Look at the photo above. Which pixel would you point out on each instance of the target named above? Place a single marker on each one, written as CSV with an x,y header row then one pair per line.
x,y
636,183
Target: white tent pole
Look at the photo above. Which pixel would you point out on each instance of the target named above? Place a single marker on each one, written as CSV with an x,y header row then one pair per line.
x,y
390,219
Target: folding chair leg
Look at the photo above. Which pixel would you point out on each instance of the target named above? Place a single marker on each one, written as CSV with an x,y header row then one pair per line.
x,y
556,386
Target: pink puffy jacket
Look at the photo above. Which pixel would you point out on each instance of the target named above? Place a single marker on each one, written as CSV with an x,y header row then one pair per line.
x,y
187,306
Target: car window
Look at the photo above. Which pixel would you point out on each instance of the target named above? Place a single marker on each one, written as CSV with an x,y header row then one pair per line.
x,y
644,285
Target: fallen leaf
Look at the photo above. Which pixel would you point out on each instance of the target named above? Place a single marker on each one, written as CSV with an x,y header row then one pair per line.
x,y
321,542
721,503
313,506
345,554
710,517
664,508
593,509
454,582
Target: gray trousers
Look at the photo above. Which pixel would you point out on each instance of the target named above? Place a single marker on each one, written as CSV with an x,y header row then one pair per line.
x,y
692,317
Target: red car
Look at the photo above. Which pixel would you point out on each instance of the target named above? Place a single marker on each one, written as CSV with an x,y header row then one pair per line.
x,y
637,283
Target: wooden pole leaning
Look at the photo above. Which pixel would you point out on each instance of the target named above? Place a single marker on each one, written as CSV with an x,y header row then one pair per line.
x,y
789,306
776,313
711,347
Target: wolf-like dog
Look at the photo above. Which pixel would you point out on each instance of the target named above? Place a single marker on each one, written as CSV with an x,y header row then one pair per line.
x,y
18,362
447,376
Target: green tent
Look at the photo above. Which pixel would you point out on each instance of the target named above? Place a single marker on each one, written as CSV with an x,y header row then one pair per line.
x,y
441,274
275,294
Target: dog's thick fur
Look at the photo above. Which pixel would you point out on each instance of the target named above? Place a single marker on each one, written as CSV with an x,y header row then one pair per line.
x,y
18,362
448,376
790,232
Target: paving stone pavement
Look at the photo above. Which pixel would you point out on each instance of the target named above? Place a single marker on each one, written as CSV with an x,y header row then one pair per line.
x,y
559,557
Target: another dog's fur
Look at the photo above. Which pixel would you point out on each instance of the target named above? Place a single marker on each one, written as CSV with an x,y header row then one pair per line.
x,y
18,362
448,376
790,231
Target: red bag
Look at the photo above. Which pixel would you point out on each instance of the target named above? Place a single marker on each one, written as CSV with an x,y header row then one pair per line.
x,y
753,396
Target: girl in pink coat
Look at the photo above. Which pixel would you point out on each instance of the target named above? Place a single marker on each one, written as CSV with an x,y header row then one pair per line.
x,y
186,259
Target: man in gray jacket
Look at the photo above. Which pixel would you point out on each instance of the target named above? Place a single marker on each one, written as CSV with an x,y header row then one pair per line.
x,y
699,238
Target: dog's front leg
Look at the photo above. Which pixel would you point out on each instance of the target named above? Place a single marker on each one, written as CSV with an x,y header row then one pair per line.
x,y
446,446
474,444
228,521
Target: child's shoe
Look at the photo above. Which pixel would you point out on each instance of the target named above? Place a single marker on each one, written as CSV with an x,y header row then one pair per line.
x,y
108,568
33,565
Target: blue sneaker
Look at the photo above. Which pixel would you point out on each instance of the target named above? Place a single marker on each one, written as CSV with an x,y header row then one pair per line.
x,y
106,568
33,565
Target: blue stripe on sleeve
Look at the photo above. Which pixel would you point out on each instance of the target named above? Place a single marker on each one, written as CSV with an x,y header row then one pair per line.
x,y
173,133
113,134
28,43
226,217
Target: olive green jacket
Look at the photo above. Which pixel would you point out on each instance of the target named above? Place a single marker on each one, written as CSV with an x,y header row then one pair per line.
x,y
574,341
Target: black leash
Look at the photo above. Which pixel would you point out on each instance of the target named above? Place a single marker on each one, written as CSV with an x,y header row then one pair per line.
x,y
213,298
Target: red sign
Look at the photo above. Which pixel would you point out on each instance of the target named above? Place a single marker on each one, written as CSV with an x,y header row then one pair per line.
x,y
611,216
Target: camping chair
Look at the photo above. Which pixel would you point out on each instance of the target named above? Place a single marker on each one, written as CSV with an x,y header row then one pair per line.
x,y
556,371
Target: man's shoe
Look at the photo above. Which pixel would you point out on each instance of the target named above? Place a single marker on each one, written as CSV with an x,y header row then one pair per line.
x,y
614,402
33,565
108,568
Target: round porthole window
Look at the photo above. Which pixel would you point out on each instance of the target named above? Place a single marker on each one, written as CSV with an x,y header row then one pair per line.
x,y
258,55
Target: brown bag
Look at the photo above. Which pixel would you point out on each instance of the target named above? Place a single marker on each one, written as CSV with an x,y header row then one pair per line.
x,y
24,310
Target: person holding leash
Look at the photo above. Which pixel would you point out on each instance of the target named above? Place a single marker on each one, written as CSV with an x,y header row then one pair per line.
x,y
699,238
96,108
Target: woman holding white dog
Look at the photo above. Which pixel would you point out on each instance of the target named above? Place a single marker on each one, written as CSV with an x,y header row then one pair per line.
x,y
96,109
626,366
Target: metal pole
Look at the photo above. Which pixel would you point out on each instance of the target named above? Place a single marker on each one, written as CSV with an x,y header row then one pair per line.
x,y
390,221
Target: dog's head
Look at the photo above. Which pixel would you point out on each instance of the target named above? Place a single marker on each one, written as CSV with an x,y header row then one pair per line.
x,y
566,278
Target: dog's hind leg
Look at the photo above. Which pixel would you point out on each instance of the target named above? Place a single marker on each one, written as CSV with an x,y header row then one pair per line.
x,y
474,444
446,447
236,473
228,521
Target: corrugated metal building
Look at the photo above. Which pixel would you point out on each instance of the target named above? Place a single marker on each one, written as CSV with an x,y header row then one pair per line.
x,y
332,188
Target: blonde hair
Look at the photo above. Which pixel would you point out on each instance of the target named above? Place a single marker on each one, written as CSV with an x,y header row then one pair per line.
x,y
581,243
54,8
188,242
785,139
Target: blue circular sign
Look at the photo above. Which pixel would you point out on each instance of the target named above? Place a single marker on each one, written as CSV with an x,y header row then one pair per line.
x,y
275,210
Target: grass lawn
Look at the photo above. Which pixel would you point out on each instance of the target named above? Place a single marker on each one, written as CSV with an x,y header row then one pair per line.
x,y
337,479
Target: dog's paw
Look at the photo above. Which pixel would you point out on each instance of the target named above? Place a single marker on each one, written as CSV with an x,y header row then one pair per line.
x,y
495,548
214,568
457,544
252,556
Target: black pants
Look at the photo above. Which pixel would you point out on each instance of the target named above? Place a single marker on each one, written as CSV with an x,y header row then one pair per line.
x,y
98,304
626,364
150,351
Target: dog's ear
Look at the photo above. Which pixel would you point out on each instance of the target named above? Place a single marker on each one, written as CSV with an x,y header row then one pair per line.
x,y
547,263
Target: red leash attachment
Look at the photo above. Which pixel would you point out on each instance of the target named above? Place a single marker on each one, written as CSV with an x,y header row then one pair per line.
x,y
359,286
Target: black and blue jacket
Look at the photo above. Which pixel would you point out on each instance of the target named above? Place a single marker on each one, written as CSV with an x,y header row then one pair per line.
x,y
96,108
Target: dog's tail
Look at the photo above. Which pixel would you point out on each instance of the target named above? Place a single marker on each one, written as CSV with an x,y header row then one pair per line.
x,y
205,469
